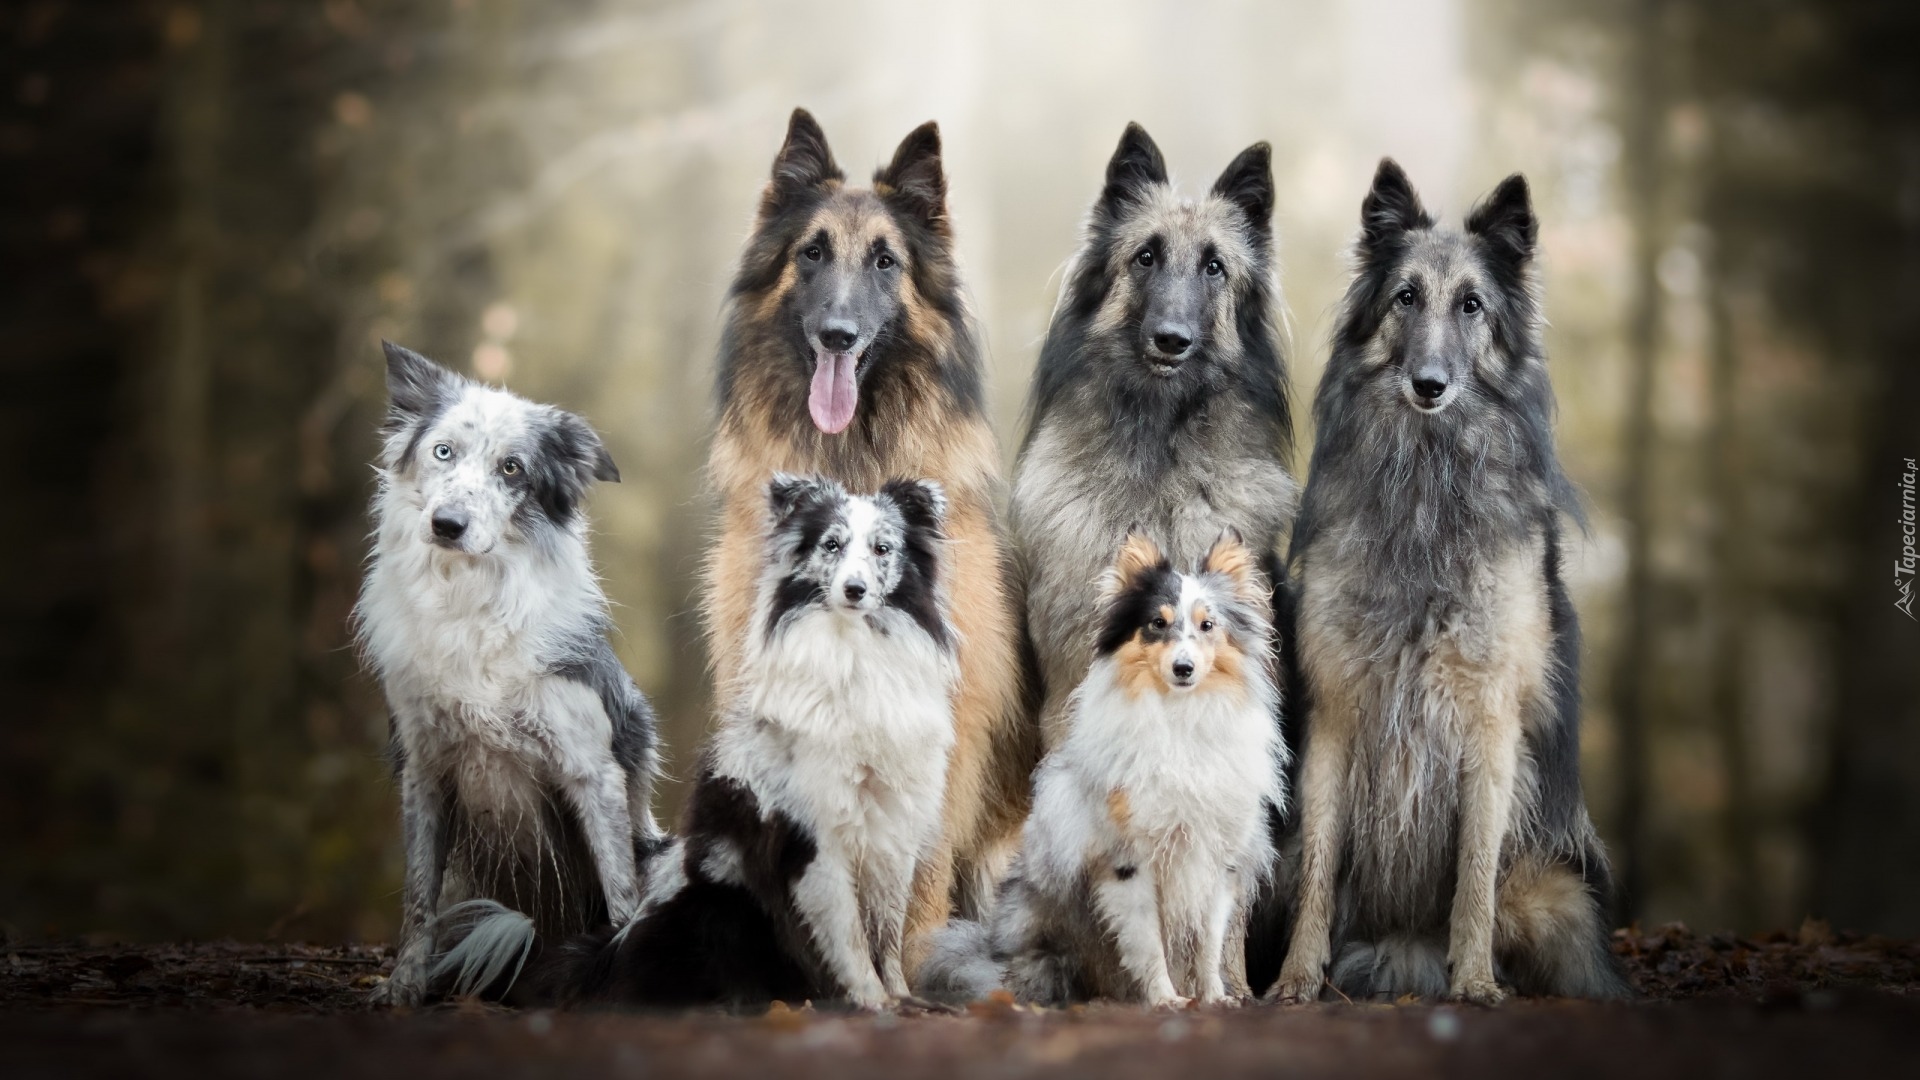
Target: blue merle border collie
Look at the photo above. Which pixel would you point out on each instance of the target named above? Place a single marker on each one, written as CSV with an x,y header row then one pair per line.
x,y
525,754
1149,836
818,795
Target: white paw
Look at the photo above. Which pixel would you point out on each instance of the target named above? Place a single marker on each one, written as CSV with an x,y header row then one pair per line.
x,y
403,987
1296,988
1476,990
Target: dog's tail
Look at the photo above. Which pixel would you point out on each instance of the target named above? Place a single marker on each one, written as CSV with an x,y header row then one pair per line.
x,y
490,946
961,966
1390,968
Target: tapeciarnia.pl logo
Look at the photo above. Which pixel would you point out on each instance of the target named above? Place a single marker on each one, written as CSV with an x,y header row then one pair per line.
x,y
1903,566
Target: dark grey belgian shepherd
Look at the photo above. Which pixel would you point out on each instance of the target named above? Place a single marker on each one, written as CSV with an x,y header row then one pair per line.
x,y
1444,846
1159,404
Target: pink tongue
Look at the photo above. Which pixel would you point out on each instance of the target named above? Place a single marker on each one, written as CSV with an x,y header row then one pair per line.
x,y
834,395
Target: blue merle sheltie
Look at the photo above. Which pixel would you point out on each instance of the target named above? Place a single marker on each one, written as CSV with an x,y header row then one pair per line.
x,y
818,795
1444,844
1149,829
525,754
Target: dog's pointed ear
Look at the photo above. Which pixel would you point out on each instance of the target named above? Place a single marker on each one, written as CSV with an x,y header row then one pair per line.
x,y
1247,182
788,494
915,181
416,385
1138,555
923,503
1231,558
1135,169
1391,210
804,164
1504,221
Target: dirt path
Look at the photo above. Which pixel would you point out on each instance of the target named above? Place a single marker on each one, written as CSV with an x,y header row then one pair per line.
x,y
1715,1006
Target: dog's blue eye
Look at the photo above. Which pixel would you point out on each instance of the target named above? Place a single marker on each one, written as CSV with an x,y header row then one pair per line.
x,y
884,262
1406,297
1471,305
830,546
1214,269
442,451
1145,258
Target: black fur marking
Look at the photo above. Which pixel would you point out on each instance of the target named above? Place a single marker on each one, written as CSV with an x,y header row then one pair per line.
x,y
592,663
917,593
418,392
1133,610
1125,873
566,458
804,165
1135,169
1247,182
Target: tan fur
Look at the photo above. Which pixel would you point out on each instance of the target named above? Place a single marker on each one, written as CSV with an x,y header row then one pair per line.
x,y
1224,660
1137,556
1143,668
906,428
1119,809
1231,558
1482,676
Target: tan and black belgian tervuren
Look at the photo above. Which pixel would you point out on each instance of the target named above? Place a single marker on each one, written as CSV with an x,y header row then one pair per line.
x,y
849,352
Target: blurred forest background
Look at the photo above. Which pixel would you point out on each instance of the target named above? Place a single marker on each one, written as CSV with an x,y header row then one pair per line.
x,y
214,210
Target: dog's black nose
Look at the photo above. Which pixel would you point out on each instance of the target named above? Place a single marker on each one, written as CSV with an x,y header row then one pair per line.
x,y
854,590
1172,340
1428,387
838,337
449,524
1183,669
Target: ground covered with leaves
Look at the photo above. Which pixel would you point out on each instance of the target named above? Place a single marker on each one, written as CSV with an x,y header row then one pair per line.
x,y
1714,1005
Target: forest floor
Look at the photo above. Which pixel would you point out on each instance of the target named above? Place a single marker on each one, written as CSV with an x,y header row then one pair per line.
x,y
1809,1003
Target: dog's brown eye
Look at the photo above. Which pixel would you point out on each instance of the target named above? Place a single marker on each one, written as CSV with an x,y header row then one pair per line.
x,y
830,546
1145,258
1158,623
884,262
1470,305
1405,297
882,549
1214,269
1206,626
812,253
511,466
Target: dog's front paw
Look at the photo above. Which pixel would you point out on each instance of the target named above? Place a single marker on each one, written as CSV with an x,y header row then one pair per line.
x,y
1476,990
1170,1002
401,988
1296,988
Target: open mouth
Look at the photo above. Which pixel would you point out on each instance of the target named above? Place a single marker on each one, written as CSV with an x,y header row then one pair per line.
x,y
835,393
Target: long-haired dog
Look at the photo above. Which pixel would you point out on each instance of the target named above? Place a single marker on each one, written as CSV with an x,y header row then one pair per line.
x,y
848,352
818,796
1149,828
524,752
1160,398
1445,845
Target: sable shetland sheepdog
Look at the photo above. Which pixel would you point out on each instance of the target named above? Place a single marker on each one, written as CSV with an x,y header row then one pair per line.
x,y
819,794
525,754
1149,829
848,352
1445,847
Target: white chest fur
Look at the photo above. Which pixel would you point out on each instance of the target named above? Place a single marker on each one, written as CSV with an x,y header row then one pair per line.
x,y
846,729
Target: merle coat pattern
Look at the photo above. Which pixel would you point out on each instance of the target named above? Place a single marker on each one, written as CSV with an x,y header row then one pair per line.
x,y
818,796
524,752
